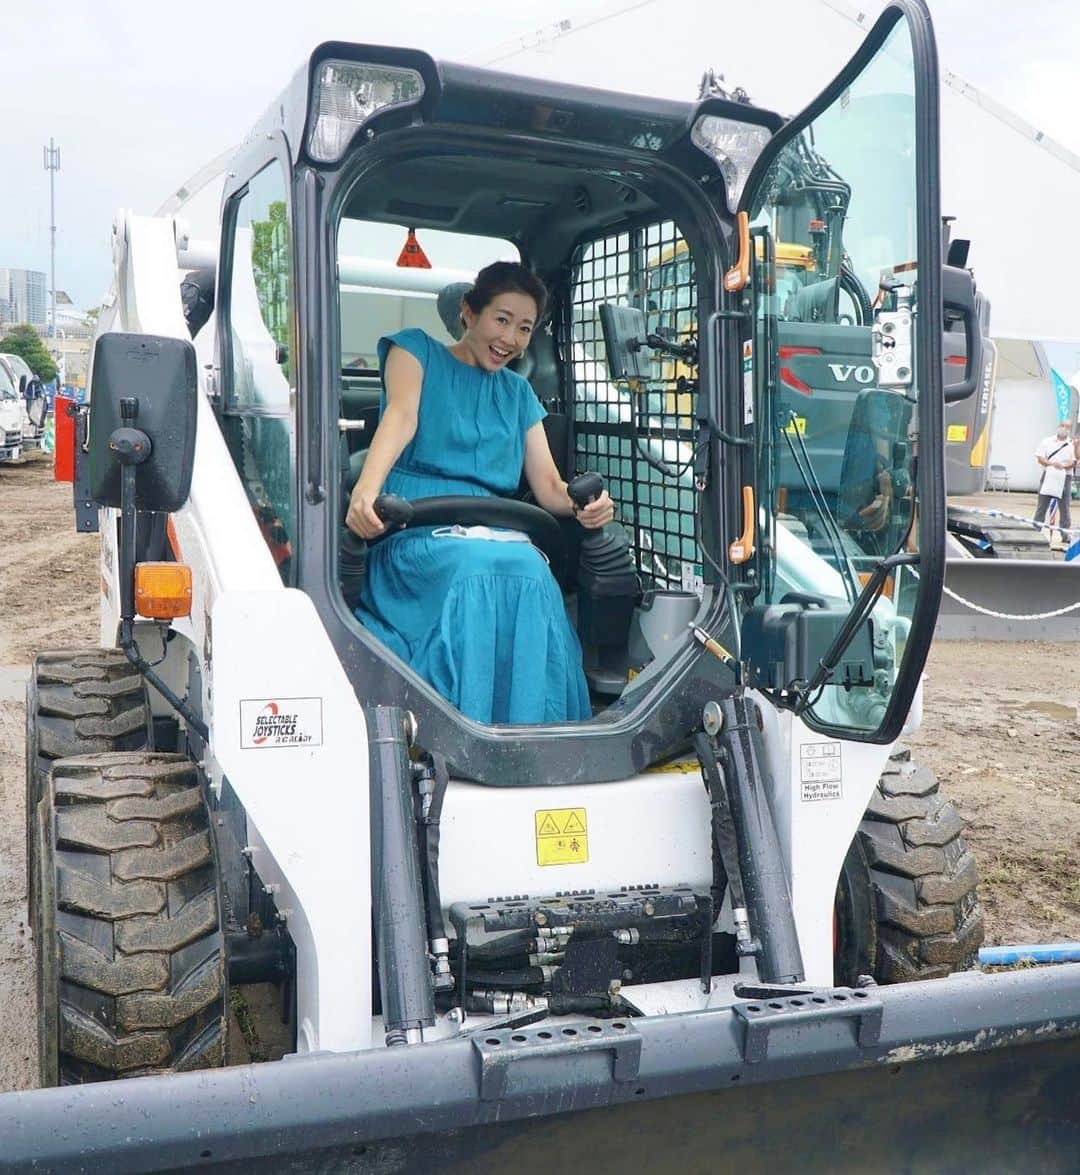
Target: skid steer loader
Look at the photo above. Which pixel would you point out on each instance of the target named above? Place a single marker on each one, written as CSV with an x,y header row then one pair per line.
x,y
668,936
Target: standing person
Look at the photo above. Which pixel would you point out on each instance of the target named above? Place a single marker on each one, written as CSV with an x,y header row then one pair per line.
x,y
482,621
1056,452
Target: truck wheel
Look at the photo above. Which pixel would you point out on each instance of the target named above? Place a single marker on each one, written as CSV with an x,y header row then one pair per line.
x,y
906,905
78,702
131,968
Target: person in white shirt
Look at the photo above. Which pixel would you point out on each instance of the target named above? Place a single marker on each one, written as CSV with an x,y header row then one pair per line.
x,y
1056,452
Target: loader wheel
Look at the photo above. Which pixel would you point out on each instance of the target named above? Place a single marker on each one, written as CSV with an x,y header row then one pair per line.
x,y
131,968
78,702
906,905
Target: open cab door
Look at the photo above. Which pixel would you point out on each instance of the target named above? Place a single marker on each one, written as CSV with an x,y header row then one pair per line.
x,y
841,392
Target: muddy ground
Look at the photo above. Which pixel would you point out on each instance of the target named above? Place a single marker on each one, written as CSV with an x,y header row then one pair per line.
x,y
1001,729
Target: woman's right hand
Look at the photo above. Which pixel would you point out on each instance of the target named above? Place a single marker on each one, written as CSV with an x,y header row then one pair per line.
x,y
361,518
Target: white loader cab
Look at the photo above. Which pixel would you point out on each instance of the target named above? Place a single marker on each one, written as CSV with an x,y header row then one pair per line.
x,y
267,792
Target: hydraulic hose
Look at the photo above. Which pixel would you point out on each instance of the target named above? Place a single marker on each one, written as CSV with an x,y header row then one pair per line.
x,y
1055,952
435,922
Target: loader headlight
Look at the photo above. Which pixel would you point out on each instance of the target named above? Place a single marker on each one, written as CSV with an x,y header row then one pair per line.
x,y
734,146
347,94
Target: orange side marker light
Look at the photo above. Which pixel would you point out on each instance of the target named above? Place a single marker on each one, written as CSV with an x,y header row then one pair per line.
x,y
162,590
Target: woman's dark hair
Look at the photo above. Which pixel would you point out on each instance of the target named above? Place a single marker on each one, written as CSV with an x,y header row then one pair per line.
x,y
505,277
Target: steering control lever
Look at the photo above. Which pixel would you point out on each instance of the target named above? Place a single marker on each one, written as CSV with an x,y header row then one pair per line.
x,y
393,510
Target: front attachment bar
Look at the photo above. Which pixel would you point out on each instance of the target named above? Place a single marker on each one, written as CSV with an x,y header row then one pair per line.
x,y
969,1073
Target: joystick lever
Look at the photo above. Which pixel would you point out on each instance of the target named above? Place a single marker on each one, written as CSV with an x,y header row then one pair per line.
x,y
585,488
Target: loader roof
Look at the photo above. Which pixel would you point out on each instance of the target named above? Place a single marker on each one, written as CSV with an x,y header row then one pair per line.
x,y
465,95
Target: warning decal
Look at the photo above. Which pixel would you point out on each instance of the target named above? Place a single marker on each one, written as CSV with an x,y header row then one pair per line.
x,y
820,771
748,381
562,837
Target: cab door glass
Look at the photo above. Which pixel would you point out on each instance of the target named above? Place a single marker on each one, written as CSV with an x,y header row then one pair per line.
x,y
260,392
836,299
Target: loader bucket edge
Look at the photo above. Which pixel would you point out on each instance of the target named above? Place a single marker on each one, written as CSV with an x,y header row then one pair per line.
x,y
962,1068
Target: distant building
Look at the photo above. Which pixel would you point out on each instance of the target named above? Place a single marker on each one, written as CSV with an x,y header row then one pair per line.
x,y
23,297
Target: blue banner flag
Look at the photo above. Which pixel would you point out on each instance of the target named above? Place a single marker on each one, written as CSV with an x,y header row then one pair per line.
x,y
1063,394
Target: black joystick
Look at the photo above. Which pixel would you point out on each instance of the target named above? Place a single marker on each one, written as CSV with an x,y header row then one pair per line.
x,y
607,593
585,488
394,511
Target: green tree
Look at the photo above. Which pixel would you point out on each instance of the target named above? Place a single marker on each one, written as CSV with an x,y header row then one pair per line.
x,y
25,342
270,266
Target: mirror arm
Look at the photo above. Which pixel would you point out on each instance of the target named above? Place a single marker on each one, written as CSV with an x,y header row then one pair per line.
x,y
132,447
859,613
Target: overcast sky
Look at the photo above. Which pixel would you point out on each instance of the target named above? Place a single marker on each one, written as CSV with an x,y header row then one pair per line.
x,y
139,95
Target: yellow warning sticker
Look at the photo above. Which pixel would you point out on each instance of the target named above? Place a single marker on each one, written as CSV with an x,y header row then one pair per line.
x,y
681,766
956,433
797,424
562,836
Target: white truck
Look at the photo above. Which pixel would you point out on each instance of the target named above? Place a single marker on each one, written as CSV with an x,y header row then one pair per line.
x,y
12,418
19,385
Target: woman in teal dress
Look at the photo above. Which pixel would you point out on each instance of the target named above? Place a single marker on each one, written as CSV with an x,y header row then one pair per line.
x,y
482,621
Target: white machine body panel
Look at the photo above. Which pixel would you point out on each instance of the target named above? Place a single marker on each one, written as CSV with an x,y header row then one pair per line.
x,y
290,736
653,829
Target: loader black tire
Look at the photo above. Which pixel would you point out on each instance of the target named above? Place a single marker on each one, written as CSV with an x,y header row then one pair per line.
x,y
131,967
79,701
907,903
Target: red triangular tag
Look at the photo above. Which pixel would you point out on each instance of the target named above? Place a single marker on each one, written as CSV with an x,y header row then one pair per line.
x,y
412,256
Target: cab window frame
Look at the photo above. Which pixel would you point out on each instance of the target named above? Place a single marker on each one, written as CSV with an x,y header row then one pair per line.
x,y
228,408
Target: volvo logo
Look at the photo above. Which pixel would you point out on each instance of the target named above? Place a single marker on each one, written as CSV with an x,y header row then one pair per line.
x,y
862,373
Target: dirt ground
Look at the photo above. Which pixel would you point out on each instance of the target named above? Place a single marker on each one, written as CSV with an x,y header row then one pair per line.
x,y
1001,728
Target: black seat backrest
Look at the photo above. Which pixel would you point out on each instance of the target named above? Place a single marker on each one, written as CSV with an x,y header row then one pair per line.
x,y
557,428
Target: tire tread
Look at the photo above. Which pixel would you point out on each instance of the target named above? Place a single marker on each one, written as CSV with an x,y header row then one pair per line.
x,y
132,935
923,879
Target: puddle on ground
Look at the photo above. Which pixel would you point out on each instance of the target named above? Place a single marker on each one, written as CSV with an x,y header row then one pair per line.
x,y
1056,710
13,682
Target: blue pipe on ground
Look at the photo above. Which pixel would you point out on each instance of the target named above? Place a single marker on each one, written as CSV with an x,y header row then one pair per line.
x,y
1054,952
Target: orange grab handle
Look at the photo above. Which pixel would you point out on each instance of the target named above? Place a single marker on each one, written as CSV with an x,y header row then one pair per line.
x,y
743,547
738,275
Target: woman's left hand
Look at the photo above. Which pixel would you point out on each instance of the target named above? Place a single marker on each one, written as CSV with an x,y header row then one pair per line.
x,y
597,513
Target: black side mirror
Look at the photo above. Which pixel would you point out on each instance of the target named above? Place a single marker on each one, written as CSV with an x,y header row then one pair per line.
x,y
958,253
160,374
22,385
37,410
960,303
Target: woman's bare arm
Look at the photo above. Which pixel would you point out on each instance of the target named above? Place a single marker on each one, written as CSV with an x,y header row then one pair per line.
x,y
403,376
549,489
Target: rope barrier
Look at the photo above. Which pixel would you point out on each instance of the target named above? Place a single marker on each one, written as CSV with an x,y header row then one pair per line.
x,y
1004,615
1008,615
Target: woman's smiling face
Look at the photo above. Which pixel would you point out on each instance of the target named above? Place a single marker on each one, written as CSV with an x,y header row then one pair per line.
x,y
500,332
